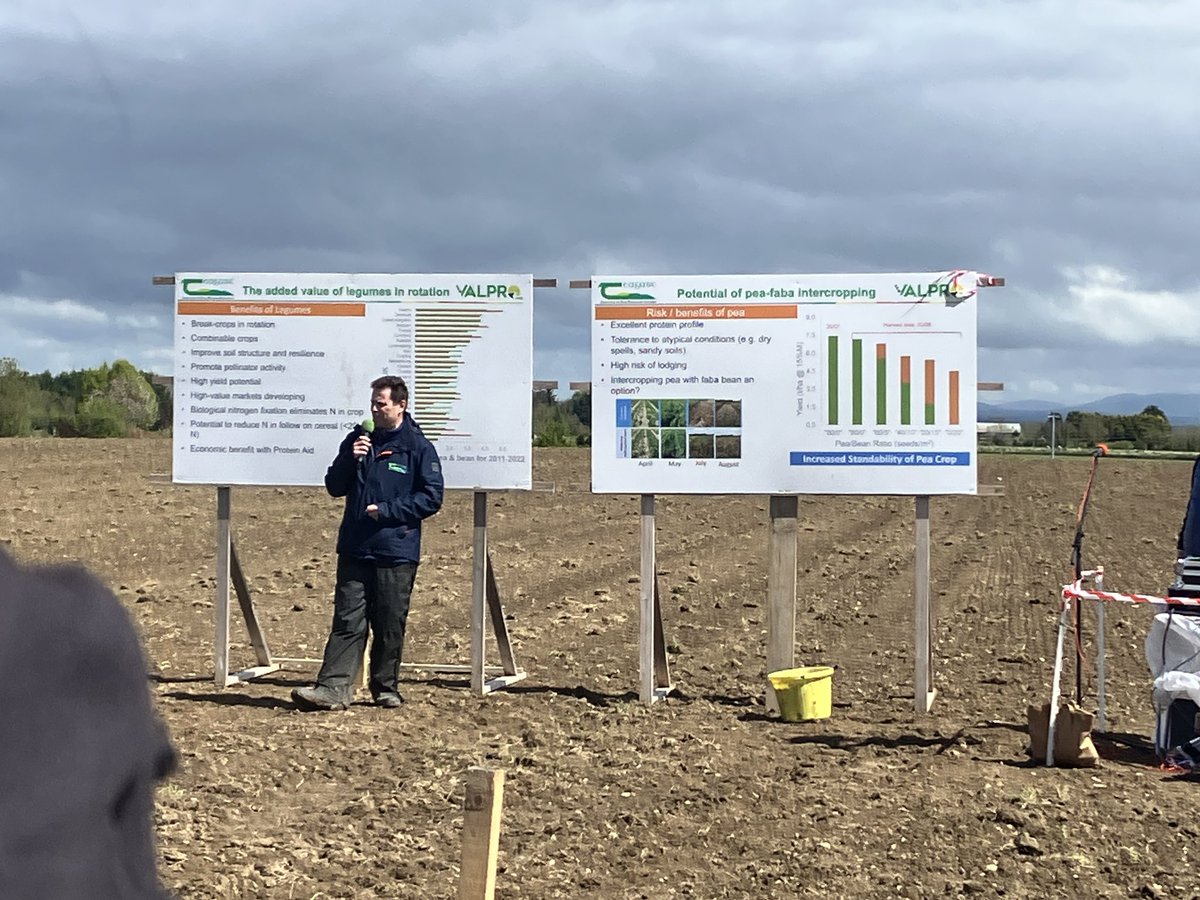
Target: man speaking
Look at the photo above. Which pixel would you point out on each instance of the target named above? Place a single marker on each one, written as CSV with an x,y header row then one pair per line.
x,y
391,478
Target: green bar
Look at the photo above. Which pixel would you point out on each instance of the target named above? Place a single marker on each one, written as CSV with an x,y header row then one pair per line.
x,y
905,403
831,364
856,381
880,387
928,413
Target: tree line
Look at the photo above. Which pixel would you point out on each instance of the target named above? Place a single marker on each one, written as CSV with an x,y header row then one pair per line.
x,y
118,400
1149,429
108,401
562,423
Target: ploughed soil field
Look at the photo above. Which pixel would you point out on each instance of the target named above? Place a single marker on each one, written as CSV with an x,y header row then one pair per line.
x,y
705,795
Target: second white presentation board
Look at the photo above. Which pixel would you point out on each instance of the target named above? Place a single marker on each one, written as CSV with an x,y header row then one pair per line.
x,y
715,384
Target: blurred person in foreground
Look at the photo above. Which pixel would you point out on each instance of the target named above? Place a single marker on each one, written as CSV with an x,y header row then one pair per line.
x,y
391,478
81,747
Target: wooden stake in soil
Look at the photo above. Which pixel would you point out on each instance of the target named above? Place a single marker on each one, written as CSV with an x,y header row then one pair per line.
x,y
483,803
924,690
781,589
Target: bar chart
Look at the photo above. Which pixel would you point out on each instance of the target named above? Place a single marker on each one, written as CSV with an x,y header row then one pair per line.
x,y
442,334
883,395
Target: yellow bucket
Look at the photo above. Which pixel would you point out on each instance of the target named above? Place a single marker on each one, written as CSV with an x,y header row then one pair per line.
x,y
803,694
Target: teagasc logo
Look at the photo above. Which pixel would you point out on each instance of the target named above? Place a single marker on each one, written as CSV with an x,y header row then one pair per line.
x,y
623,290
189,289
501,291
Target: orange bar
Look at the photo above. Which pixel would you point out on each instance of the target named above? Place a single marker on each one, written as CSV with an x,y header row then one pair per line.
x,y
881,351
953,397
906,369
929,375
268,308
716,312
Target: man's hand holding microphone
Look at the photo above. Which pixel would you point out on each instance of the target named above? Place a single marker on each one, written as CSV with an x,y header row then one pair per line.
x,y
361,449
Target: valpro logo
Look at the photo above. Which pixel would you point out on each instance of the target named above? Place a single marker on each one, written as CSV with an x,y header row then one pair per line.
x,y
963,285
499,291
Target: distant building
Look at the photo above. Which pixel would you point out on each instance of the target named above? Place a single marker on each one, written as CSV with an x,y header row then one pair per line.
x,y
998,432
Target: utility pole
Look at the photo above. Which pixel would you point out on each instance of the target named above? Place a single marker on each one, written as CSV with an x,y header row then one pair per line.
x,y
1054,418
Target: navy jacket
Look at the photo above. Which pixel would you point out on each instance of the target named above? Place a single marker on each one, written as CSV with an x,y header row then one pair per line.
x,y
403,475
1189,532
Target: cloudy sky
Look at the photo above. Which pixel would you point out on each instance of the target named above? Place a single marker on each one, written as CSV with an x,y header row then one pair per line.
x,y
1055,143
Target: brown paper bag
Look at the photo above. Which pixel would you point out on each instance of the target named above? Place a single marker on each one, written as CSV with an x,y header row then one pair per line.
x,y
1072,735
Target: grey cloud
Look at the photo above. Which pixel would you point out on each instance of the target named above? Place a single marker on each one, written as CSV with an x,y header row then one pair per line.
x,y
557,138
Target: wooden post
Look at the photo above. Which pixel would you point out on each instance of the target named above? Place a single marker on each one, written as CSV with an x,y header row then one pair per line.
x,y
478,593
483,802
258,640
662,666
781,588
221,609
508,659
649,577
923,682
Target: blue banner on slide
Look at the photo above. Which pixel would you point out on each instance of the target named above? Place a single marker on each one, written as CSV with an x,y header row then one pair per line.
x,y
878,458
624,413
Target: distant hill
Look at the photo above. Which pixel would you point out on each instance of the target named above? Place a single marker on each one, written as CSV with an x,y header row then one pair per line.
x,y
1181,409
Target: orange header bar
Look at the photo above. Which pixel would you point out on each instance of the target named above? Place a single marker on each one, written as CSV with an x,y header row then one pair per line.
x,y
704,311
269,308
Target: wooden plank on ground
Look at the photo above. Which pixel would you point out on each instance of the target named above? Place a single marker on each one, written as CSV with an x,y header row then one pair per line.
x,y
483,802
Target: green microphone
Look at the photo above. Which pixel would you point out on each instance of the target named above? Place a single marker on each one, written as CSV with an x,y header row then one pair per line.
x,y
368,426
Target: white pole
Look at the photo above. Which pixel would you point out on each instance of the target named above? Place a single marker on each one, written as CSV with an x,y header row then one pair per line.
x,y
479,551
923,691
221,612
1055,692
649,573
781,589
1101,721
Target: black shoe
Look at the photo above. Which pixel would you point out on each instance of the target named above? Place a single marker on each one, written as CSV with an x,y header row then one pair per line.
x,y
389,700
318,697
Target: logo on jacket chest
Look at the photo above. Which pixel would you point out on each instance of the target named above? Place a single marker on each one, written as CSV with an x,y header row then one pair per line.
x,y
397,467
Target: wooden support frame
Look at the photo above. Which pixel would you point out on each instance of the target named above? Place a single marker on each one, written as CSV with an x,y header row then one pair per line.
x,y
654,673
781,598
781,588
229,570
484,594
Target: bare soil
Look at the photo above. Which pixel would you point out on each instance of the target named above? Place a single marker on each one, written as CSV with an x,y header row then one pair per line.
x,y
705,795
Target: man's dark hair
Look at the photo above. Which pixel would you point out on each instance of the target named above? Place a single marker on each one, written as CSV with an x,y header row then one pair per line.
x,y
395,383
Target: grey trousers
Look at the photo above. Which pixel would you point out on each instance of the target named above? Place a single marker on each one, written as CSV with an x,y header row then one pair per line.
x,y
365,595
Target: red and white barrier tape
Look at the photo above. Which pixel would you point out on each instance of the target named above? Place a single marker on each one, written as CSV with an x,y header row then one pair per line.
x,y
1075,592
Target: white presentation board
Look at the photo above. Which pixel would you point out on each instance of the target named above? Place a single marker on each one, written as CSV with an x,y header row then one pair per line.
x,y
823,384
272,370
